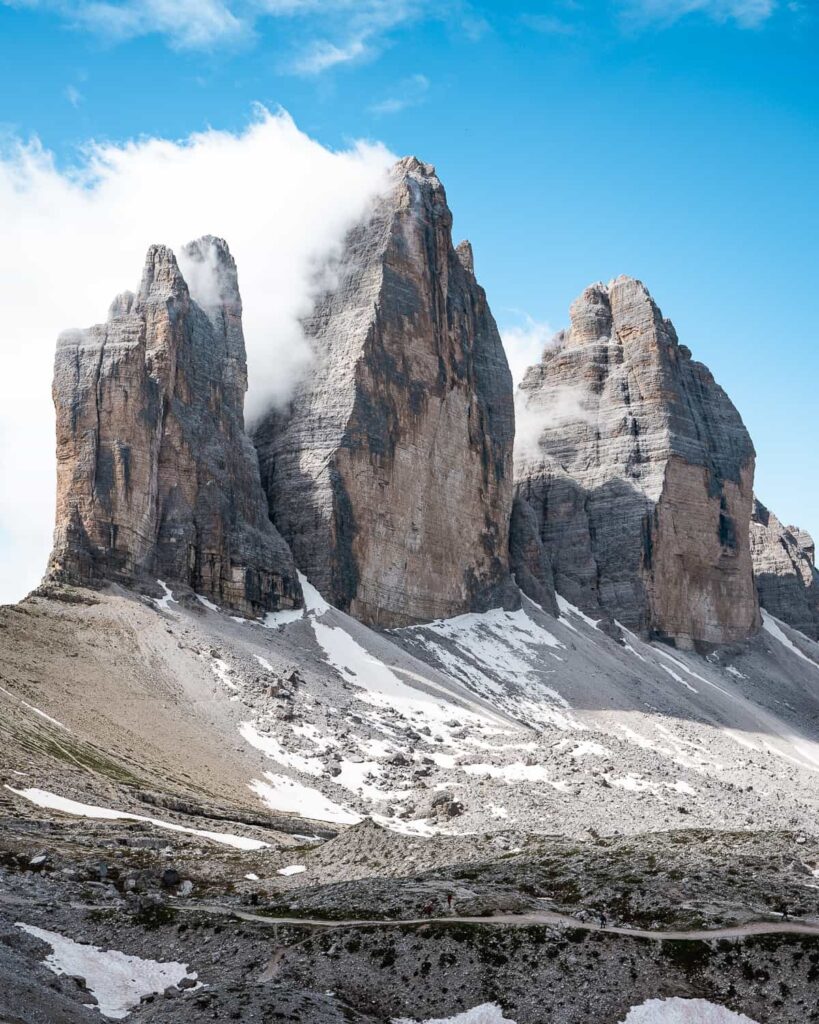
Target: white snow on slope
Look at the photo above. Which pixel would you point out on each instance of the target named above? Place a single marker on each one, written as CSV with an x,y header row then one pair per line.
x,y
271,746
42,798
208,604
380,686
117,980
683,1011
483,651
516,772
674,675
284,794
314,603
486,1013
565,608
33,710
222,670
167,599
275,620
292,869
774,627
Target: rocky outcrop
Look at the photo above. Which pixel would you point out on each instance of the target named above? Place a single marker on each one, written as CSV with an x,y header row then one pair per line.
x,y
155,475
787,581
390,474
634,476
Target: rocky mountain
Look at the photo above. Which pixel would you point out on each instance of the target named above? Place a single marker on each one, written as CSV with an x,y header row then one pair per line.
x,y
634,477
156,478
787,581
397,789
390,475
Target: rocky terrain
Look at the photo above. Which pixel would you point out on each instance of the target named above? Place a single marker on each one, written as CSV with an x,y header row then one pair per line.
x,y
383,779
787,581
155,475
314,770
635,475
390,475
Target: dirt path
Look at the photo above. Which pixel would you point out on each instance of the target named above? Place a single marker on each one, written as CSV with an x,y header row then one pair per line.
x,y
524,920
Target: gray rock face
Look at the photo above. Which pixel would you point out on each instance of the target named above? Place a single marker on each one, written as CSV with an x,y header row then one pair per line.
x,y
634,477
787,582
391,473
155,475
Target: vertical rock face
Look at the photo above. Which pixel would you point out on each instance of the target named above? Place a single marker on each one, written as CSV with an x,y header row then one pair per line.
x,y
787,581
634,474
391,473
155,475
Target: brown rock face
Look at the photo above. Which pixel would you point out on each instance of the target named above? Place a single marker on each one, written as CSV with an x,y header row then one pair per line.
x,y
155,475
635,474
787,581
391,473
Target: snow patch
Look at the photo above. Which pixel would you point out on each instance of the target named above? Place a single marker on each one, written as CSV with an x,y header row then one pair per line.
x,y
208,604
292,869
272,748
683,1011
42,798
281,793
565,608
118,981
774,627
275,620
314,603
486,1013
167,597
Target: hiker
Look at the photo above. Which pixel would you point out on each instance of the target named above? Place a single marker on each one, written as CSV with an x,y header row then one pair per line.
x,y
449,896
428,908
602,919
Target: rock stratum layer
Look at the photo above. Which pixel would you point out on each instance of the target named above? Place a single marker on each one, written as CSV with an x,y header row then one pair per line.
x,y
784,560
155,475
634,477
390,475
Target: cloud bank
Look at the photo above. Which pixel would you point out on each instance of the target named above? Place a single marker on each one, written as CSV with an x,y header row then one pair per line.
x,y
74,240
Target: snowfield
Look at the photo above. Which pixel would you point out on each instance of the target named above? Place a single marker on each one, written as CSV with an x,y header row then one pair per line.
x,y
118,981
683,1011
653,1011
42,798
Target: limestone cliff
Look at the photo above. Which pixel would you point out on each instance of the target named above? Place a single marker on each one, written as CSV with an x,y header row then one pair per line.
x,y
635,473
787,581
390,475
155,475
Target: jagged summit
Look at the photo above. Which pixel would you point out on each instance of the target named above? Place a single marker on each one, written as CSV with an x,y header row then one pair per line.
x,y
634,477
156,478
391,473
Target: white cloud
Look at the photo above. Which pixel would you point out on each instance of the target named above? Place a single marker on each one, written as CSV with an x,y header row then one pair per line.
x,y
410,92
73,95
337,31
323,54
524,345
534,415
746,13
73,240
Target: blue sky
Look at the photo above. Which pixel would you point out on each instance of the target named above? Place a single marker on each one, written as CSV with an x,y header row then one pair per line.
x,y
673,140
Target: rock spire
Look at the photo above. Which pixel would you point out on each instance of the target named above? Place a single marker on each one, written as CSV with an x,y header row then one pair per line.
x,y
156,478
